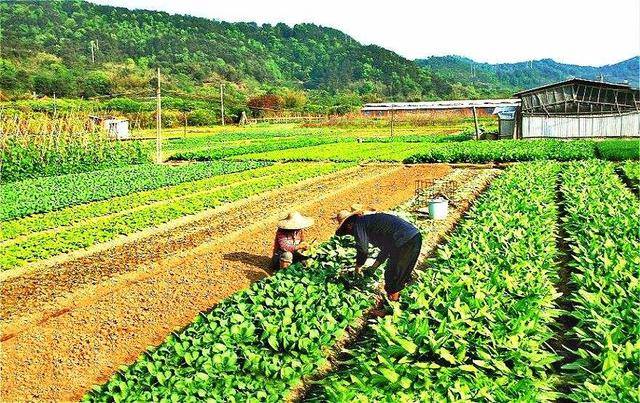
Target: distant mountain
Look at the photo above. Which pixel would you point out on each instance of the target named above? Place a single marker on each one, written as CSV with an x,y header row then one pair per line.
x,y
47,47
75,48
509,77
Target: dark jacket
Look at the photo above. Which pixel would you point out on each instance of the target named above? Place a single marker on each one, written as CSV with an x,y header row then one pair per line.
x,y
382,230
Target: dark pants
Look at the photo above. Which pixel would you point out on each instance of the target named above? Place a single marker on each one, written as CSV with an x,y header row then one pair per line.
x,y
402,261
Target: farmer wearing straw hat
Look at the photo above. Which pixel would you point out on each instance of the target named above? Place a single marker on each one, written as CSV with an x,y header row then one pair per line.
x,y
399,243
289,242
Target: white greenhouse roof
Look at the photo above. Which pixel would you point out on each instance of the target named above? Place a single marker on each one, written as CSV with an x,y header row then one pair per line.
x,y
460,104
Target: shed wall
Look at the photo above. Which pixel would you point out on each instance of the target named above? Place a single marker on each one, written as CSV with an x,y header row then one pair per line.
x,y
583,126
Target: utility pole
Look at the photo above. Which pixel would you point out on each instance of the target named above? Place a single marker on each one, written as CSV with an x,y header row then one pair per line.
x,y
392,119
158,122
475,121
93,53
222,103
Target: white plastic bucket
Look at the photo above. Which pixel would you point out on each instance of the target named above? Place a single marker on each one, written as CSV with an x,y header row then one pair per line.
x,y
438,208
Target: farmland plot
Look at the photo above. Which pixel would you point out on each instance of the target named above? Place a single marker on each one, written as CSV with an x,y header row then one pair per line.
x,y
46,194
129,312
261,343
604,230
42,237
475,324
438,150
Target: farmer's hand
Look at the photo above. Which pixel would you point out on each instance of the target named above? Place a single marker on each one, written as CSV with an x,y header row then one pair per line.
x,y
303,246
376,264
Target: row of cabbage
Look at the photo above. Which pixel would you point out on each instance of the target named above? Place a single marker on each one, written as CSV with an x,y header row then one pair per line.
x,y
603,224
631,173
257,345
92,224
216,151
413,151
31,225
41,195
475,326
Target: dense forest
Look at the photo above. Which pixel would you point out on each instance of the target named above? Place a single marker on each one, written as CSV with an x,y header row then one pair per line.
x,y
76,49
512,77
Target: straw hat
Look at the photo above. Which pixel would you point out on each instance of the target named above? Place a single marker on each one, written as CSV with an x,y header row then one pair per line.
x,y
343,215
295,220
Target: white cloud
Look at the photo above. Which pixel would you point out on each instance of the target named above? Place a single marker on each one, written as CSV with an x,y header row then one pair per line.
x,y
588,32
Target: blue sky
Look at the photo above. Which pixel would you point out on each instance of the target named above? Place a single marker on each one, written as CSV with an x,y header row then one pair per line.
x,y
586,32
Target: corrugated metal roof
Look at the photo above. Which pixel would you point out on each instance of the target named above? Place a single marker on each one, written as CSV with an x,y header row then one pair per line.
x,y
459,104
575,81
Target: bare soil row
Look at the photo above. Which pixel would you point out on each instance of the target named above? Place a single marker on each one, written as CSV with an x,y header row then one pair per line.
x,y
45,291
64,355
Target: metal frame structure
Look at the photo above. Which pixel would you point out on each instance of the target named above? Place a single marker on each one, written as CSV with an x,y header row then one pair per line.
x,y
579,97
578,108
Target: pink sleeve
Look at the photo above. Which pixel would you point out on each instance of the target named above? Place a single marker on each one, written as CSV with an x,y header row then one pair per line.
x,y
285,243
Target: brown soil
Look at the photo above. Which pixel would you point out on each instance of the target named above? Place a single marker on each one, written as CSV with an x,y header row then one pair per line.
x,y
44,291
83,344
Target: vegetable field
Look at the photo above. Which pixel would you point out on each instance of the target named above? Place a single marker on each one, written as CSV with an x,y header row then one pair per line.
x,y
477,324
133,281
454,151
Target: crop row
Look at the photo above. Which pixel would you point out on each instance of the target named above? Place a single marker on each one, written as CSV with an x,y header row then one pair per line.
x,y
631,172
618,150
250,134
29,226
20,199
447,151
219,151
476,323
47,244
37,156
604,231
346,151
256,345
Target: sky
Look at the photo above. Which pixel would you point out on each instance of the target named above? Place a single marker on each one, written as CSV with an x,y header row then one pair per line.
x,y
585,32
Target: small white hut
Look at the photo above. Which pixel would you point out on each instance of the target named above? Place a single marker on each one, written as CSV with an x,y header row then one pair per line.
x,y
117,128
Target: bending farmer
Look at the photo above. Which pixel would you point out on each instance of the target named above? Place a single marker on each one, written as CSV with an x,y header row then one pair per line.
x,y
399,243
290,240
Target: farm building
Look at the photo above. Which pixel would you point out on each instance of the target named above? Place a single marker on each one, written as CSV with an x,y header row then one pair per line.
x,y
578,108
482,106
117,128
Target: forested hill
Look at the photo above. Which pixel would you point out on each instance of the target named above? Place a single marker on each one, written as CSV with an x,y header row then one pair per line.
x,y
46,48
50,44
516,76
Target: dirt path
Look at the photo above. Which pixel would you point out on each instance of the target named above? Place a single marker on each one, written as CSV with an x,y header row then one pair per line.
x,y
46,291
63,356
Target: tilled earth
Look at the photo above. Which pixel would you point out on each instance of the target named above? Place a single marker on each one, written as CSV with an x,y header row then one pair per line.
x,y
135,298
44,292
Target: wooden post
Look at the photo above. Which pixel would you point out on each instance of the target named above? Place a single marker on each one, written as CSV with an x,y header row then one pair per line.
x,y
475,121
392,119
222,104
185,124
158,122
